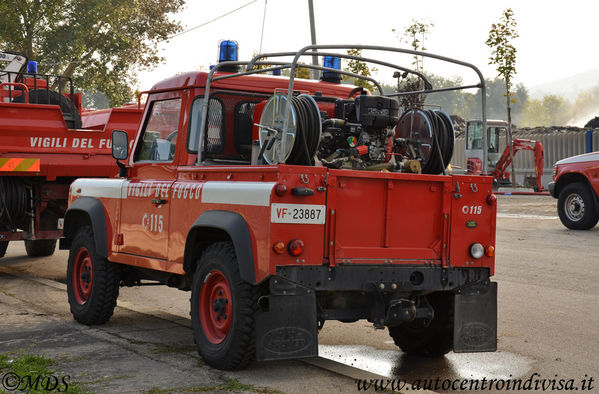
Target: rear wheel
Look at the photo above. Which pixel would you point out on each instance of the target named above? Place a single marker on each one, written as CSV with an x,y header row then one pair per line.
x,y
223,309
92,281
432,338
576,207
3,246
40,247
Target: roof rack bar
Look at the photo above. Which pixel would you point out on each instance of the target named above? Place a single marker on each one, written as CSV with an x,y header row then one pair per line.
x,y
401,94
427,84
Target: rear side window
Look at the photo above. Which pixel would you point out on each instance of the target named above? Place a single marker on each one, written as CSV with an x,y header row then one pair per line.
x,y
215,126
244,122
159,137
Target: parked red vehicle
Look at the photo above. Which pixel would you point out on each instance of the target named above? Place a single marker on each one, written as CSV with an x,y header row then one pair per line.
x,y
46,142
576,186
283,203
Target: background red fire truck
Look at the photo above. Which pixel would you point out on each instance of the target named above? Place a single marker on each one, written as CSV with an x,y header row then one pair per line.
x,y
283,203
47,141
576,188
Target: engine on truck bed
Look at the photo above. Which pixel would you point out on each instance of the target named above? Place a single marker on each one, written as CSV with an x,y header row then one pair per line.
x,y
361,134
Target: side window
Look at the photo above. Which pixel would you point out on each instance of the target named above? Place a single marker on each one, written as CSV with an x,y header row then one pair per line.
x,y
493,139
159,138
244,123
474,136
215,126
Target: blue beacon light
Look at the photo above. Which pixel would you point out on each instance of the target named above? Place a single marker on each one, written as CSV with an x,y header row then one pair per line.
x,y
331,62
228,51
32,67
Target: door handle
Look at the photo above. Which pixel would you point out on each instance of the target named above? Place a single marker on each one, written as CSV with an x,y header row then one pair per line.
x,y
158,201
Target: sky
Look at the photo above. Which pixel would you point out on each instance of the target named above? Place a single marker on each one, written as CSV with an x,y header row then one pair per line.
x,y
557,38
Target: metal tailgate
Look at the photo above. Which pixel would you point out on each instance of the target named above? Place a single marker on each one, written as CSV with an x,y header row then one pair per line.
x,y
376,217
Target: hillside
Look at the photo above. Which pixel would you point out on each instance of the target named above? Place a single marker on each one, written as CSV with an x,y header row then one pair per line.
x,y
567,87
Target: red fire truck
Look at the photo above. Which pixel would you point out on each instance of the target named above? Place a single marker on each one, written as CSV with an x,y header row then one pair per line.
x,y
46,141
282,203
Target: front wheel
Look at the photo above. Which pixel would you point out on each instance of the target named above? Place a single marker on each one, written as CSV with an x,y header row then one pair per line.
x,y
223,309
92,281
576,207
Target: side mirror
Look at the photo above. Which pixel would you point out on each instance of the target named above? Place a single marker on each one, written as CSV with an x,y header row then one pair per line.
x,y
120,144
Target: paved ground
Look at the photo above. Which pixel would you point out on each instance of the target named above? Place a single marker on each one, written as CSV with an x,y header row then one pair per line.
x,y
548,323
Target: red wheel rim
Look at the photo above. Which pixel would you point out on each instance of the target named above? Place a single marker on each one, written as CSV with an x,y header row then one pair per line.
x,y
82,276
216,307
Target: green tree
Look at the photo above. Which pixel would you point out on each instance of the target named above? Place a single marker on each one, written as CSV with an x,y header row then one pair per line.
x,y
455,102
415,35
361,68
552,110
101,44
300,72
496,108
503,56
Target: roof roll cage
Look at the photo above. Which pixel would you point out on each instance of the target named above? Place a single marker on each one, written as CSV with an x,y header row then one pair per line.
x,y
312,50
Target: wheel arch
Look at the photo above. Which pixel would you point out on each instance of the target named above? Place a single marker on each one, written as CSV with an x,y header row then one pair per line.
x,y
216,226
87,211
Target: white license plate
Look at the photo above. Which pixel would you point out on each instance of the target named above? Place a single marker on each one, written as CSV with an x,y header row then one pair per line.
x,y
298,213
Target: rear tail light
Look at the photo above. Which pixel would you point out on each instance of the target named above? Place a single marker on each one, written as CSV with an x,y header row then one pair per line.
x,y
296,247
280,190
491,199
477,251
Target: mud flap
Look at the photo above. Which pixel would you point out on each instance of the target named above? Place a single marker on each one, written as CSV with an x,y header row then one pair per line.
x,y
475,318
286,327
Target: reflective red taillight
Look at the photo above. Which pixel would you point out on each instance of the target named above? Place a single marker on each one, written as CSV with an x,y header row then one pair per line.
x,y
280,190
296,247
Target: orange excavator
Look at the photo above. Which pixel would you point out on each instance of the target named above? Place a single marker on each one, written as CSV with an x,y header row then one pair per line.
x,y
484,157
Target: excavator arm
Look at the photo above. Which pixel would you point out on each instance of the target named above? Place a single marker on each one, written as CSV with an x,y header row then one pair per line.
x,y
14,64
518,144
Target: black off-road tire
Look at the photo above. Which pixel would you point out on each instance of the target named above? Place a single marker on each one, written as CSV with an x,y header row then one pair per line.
x,y
40,247
95,303
3,246
434,339
576,207
219,291
50,97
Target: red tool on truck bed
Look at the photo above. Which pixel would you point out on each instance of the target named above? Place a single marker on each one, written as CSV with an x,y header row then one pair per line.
x,y
43,148
283,203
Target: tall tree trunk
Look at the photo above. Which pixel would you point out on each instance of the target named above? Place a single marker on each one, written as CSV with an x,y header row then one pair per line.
x,y
509,131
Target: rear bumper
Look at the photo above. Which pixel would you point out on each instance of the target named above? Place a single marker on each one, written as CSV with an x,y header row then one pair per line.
x,y
396,278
